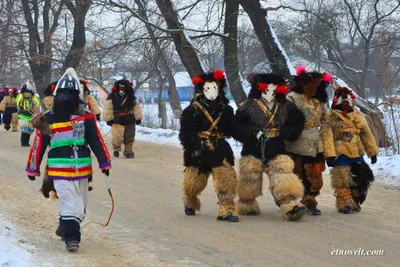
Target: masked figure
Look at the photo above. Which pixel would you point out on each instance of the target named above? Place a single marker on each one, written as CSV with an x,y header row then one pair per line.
x,y
310,96
205,124
91,102
48,99
28,104
69,131
9,108
263,123
122,112
346,138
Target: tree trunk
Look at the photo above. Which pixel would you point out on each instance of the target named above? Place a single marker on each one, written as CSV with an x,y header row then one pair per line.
x,y
77,47
231,51
278,60
173,95
182,41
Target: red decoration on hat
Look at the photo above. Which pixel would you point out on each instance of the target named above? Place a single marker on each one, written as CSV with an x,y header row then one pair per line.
x,y
334,100
53,87
326,77
131,84
353,96
282,89
300,69
262,87
114,89
218,75
84,82
197,80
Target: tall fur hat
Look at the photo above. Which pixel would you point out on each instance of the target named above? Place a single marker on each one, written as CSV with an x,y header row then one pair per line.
x,y
303,77
50,89
217,76
259,83
125,83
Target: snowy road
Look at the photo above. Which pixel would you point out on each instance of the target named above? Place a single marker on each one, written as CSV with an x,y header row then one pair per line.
x,y
149,227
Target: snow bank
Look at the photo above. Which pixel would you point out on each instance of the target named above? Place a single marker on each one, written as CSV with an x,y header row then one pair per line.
x,y
387,170
14,250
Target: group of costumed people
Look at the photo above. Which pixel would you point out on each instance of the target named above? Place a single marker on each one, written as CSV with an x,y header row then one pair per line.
x,y
18,109
70,130
286,133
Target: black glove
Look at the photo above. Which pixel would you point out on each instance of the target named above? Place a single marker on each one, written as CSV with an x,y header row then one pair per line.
x,y
110,123
373,159
32,178
331,161
98,117
106,172
138,122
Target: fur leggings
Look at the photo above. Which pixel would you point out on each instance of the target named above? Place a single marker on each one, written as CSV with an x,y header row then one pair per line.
x,y
123,135
285,186
310,172
225,183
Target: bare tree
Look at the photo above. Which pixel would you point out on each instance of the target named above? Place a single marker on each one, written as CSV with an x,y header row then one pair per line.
x,y
231,51
42,20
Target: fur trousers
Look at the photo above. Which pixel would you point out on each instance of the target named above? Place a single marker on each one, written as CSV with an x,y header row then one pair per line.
x,y
351,184
311,177
284,185
123,135
11,119
225,182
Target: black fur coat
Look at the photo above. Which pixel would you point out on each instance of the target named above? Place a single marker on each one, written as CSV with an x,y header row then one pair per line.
x,y
250,119
193,122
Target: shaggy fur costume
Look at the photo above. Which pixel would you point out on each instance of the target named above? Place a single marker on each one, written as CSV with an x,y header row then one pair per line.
x,y
286,125
121,112
205,150
10,115
310,96
346,138
91,101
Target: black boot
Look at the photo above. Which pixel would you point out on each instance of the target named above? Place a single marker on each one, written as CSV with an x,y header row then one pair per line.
x,y
346,210
130,155
116,154
59,232
72,234
296,213
7,127
25,139
189,211
313,210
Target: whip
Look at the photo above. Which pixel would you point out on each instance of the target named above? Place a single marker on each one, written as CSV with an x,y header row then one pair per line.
x,y
112,205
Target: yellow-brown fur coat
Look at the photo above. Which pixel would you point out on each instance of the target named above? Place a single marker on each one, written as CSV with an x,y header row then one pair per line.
x,y
347,135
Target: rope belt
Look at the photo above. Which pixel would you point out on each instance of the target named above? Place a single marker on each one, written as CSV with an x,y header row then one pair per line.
x,y
122,113
212,132
311,124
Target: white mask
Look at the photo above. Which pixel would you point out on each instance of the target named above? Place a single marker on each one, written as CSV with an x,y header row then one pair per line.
x,y
269,94
346,98
210,90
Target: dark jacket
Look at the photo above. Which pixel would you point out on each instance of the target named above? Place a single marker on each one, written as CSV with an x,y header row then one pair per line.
x,y
195,135
250,119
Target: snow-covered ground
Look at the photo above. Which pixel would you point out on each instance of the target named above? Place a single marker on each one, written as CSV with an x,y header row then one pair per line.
x,y
14,250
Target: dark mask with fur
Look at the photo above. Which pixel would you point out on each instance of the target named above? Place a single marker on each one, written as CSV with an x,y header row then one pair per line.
x,y
312,84
66,102
343,100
